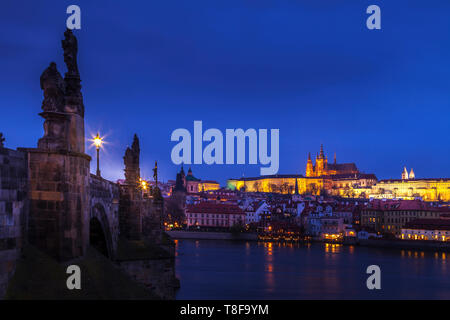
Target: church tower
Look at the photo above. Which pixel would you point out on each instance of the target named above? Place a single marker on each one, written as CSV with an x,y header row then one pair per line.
x,y
309,167
405,174
412,175
321,163
131,162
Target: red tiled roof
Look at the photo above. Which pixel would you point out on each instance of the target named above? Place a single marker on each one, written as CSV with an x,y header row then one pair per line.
x,y
429,224
342,166
403,205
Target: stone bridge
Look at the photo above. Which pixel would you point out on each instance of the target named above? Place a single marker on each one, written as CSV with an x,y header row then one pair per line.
x,y
104,215
49,198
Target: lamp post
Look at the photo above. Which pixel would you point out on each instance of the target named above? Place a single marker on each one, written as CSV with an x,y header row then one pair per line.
x,y
143,184
98,143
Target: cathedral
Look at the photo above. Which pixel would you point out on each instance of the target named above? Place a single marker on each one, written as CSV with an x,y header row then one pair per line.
x,y
323,168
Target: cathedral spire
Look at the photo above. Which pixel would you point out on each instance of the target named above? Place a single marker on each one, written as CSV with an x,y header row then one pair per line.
x,y
309,166
321,155
405,174
412,175
335,158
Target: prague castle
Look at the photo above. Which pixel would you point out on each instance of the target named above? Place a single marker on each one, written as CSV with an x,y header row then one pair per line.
x,y
339,179
323,168
345,180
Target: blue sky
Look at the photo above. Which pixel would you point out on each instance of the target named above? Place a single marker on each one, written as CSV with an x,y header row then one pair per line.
x,y
312,69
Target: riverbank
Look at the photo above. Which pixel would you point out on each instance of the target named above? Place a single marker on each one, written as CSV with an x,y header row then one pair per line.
x,y
379,243
200,235
404,244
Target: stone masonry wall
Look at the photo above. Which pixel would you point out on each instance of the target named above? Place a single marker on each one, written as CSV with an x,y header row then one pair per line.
x,y
13,208
59,203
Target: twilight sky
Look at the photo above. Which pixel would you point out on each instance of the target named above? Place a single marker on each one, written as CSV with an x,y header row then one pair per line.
x,y
312,69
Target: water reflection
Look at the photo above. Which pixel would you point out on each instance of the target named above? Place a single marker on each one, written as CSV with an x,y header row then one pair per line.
x,y
247,249
176,247
414,254
332,247
269,276
249,270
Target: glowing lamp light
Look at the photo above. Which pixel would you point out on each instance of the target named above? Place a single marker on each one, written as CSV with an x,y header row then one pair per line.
x,y
143,183
98,141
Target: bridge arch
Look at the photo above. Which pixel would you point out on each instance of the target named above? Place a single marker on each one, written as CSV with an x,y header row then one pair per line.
x,y
99,231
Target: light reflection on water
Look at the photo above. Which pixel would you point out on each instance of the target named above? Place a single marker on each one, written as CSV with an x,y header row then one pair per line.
x,y
248,270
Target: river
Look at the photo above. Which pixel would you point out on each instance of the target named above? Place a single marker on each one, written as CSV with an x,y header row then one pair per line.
x,y
210,269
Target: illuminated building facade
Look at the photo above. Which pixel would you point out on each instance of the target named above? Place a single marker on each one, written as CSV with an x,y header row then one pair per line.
x,y
355,185
345,180
425,189
214,215
195,185
390,216
427,229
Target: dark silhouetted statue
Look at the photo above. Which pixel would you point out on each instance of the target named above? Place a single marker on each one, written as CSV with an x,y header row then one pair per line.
x,y
53,86
70,47
2,140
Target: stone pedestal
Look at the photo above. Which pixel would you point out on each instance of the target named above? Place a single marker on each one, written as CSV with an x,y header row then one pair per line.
x,y
59,203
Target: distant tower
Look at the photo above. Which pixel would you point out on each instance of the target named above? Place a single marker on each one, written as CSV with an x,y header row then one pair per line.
x,y
309,167
130,205
179,184
321,155
131,162
412,175
183,175
405,174
321,163
335,158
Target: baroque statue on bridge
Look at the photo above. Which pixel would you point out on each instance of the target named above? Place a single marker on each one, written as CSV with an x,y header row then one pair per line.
x,y
53,85
70,47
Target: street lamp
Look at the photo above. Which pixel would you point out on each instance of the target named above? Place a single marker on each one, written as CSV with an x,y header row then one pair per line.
x,y
143,184
98,143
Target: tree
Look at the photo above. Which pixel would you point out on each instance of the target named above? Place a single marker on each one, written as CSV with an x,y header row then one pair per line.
x,y
174,211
